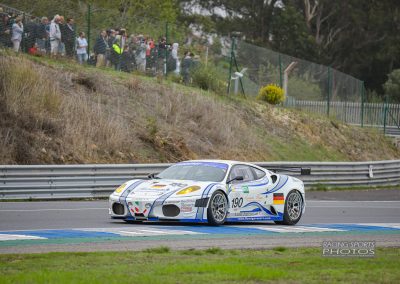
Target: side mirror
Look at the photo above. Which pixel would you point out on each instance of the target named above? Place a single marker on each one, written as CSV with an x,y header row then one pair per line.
x,y
235,178
305,171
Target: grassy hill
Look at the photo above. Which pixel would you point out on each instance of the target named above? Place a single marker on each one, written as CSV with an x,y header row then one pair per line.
x,y
59,112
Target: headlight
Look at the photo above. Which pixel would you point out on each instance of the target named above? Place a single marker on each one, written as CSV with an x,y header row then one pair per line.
x,y
189,189
120,188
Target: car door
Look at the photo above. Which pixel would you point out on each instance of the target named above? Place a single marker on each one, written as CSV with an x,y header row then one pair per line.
x,y
245,196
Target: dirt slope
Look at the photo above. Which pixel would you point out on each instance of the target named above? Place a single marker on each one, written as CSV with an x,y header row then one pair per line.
x,y
59,112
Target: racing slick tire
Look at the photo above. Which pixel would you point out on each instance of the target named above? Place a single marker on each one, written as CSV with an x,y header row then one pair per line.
x,y
217,208
293,208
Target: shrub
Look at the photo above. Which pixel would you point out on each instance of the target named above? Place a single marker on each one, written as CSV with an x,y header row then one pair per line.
x,y
206,78
176,78
272,94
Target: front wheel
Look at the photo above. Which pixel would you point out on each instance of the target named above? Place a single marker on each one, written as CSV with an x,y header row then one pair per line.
x,y
217,209
293,208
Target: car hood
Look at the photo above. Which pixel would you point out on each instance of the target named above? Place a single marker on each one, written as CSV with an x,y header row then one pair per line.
x,y
152,189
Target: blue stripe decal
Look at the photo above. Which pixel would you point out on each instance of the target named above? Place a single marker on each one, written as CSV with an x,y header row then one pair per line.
x,y
162,198
261,184
129,190
261,208
200,210
125,194
281,183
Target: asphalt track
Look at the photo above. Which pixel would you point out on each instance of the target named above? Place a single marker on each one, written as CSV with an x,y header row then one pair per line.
x,y
86,226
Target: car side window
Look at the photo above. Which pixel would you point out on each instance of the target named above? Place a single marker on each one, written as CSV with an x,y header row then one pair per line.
x,y
258,173
241,170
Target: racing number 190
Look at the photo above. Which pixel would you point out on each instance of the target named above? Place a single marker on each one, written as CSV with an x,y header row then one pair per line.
x,y
237,202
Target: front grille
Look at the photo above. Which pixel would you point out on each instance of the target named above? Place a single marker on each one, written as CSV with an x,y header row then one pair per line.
x,y
118,209
170,210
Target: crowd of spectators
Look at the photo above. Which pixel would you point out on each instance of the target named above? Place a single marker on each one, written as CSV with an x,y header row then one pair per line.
x,y
112,48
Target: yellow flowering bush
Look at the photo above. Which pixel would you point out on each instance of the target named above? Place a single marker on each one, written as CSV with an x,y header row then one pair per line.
x,y
272,94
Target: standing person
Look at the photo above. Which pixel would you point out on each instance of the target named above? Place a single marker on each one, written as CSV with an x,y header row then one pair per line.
x,y
174,54
61,47
68,36
100,49
81,50
17,31
161,55
41,34
116,53
141,54
55,35
30,33
111,34
5,31
187,63
150,53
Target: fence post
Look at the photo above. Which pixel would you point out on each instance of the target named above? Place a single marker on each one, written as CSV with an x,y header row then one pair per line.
x,y
166,49
280,70
362,102
88,26
384,115
329,90
230,64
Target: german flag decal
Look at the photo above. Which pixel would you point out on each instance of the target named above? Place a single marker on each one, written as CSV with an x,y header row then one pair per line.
x,y
279,198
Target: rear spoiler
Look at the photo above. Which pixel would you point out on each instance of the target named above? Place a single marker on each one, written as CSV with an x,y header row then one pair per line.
x,y
303,171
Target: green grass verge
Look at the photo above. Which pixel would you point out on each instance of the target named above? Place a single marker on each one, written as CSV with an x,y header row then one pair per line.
x,y
161,265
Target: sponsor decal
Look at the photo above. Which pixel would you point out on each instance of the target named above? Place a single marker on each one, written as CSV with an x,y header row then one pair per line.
x,y
187,206
186,209
176,184
159,186
243,214
245,189
278,199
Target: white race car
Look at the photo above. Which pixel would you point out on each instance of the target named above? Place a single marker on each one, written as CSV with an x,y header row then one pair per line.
x,y
212,191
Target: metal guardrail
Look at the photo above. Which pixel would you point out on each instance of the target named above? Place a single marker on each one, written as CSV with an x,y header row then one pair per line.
x,y
86,181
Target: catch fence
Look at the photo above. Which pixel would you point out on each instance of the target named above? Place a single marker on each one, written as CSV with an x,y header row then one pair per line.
x,y
223,64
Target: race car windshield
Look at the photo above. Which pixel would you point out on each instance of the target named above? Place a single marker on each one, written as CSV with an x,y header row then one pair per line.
x,y
198,171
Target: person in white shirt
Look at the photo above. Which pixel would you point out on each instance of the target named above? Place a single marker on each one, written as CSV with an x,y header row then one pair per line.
x,y
55,35
174,54
17,31
81,48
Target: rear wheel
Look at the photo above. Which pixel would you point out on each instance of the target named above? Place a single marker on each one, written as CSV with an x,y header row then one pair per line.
x,y
293,208
217,209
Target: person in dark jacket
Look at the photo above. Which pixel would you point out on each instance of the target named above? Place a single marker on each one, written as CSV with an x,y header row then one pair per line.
x,y
30,33
42,35
111,34
128,61
5,30
186,66
101,48
68,36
